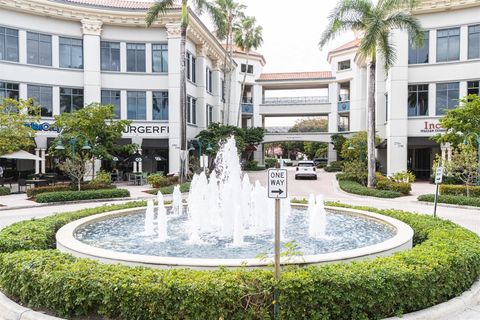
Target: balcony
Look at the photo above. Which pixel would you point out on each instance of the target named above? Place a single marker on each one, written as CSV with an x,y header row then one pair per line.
x,y
293,106
295,101
247,109
343,106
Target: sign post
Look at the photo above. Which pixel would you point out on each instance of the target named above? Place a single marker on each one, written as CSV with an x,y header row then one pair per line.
x,y
277,189
438,181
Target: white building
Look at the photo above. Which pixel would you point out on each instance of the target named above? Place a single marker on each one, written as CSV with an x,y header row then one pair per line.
x,y
69,53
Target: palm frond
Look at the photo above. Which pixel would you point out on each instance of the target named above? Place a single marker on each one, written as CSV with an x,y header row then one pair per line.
x,y
388,51
160,7
405,21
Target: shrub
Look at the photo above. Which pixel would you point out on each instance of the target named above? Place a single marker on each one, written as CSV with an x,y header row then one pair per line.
x,y
386,184
406,176
444,263
355,171
458,200
33,192
4,191
184,187
356,188
334,166
251,165
459,190
270,163
101,178
158,181
63,196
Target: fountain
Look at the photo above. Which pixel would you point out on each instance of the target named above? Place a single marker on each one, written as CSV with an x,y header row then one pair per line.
x,y
227,221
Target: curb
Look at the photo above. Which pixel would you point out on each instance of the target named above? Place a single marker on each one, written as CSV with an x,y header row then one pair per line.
x,y
444,311
448,205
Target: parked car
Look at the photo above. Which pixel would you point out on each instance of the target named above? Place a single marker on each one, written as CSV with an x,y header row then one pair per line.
x,y
306,169
320,161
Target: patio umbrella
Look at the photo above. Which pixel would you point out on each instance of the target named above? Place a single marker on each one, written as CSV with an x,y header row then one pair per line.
x,y
21,155
155,157
136,157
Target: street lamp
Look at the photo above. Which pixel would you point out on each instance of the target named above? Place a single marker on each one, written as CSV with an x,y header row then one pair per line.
x,y
73,142
361,144
465,141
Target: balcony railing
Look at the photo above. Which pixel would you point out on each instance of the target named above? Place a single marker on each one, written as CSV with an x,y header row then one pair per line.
x,y
344,106
247,108
295,100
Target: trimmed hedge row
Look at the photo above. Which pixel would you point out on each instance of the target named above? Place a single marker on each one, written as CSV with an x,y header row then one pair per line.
x,y
63,196
459,190
184,187
357,188
4,191
459,200
444,263
33,192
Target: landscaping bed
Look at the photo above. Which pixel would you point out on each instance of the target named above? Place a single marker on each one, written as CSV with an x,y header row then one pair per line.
x,y
64,196
458,200
357,188
33,192
184,187
444,262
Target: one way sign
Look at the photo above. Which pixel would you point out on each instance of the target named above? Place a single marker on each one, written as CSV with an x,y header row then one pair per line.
x,y
277,184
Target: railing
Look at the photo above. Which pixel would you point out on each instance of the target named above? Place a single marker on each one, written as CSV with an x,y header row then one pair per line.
x,y
344,106
343,128
295,100
247,108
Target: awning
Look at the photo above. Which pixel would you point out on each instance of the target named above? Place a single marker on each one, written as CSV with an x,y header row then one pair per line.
x,y
21,155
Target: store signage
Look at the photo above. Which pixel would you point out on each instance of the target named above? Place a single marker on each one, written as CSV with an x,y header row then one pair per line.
x,y
146,129
431,127
45,126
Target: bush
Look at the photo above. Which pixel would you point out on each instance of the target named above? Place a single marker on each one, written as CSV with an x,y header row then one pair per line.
x,y
251,165
102,178
355,171
63,196
270,163
334,166
406,176
4,191
457,190
444,263
184,187
33,192
158,181
356,188
386,184
458,200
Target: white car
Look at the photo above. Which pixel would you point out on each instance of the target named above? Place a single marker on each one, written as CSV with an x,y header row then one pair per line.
x,y
306,169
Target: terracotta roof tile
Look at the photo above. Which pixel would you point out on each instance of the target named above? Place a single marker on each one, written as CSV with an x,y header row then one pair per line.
x,y
123,4
295,76
347,46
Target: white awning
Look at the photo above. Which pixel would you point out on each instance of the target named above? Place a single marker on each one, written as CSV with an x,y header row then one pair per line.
x,y
21,155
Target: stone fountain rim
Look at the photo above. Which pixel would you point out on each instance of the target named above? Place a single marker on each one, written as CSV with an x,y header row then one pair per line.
x,y
67,243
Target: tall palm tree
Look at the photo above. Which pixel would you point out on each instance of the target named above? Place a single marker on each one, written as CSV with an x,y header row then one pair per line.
x,y
159,8
225,15
375,22
247,36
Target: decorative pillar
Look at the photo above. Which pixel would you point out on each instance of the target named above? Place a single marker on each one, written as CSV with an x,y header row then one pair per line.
x,y
332,118
37,162
140,163
201,85
217,90
92,30
43,156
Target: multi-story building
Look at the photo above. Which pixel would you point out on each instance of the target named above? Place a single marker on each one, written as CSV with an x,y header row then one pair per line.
x,y
68,53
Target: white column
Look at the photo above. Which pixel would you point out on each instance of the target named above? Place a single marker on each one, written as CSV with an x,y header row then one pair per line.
x,y
123,104
463,44
443,148
174,35
332,118
201,85
55,52
123,57
140,164
37,162
149,105
92,30
23,91
22,48
42,155
148,58
56,101
432,48
432,99
217,90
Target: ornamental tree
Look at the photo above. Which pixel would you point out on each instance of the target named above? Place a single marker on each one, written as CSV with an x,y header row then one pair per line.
x,y
14,132
464,165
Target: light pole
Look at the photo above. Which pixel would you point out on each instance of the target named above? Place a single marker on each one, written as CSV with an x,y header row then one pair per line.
x,y
465,141
361,144
72,142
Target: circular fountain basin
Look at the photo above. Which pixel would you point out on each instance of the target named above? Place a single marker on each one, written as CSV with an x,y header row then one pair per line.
x,y
115,237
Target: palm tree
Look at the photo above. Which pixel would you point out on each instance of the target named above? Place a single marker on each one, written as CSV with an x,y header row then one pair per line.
x,y
225,15
159,8
247,36
375,22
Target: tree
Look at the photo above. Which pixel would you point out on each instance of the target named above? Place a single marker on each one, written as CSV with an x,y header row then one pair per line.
x,y
376,22
464,165
461,121
355,147
160,8
225,15
338,140
315,149
88,134
313,124
15,134
247,36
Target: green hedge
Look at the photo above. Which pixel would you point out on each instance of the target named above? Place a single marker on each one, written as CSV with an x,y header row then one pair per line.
x,y
444,263
459,200
62,196
334,166
4,191
459,190
357,188
184,187
33,192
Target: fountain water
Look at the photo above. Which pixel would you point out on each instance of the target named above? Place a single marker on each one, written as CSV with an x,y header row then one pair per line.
x,y
317,217
177,201
149,219
162,234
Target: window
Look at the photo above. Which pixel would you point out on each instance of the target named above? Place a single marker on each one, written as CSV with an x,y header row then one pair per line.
x,y
110,56
39,49
208,81
71,53
474,42
447,97
191,110
344,65
448,44
418,100
160,105
248,69
209,115
160,57
9,91
473,87
191,65
416,54
135,57
42,97
70,99
343,122
136,105
223,90
112,97
8,44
